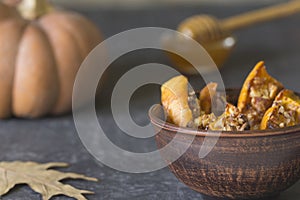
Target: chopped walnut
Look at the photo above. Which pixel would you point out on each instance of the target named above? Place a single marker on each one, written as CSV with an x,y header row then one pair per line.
x,y
231,120
193,103
204,120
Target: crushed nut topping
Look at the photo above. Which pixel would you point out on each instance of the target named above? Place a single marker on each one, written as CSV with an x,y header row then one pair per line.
x,y
262,104
231,120
193,103
204,120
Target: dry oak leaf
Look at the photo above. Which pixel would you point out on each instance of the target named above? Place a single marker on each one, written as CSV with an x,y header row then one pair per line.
x,y
40,178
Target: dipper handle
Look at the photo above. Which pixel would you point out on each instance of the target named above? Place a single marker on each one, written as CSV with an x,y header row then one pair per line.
x,y
262,15
205,28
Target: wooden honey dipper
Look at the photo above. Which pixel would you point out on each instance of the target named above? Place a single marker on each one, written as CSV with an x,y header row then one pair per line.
x,y
205,28
215,35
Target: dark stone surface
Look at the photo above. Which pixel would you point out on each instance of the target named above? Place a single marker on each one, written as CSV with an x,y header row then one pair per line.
x,y
55,139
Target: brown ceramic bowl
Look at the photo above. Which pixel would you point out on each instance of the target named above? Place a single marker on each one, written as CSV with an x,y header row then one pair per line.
x,y
242,165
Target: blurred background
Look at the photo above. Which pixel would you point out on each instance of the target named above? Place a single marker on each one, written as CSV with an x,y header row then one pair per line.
x,y
156,3
276,42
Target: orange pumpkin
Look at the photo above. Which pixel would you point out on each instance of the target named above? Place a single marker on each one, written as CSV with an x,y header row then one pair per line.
x,y
41,50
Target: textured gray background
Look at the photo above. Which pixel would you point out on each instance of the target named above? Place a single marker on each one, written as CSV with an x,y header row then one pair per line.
x,y
135,4
55,139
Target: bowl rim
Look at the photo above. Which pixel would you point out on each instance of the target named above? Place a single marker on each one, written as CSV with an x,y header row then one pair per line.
x,y
157,121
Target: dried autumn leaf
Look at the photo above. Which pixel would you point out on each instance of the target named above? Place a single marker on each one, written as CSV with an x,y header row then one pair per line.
x,y
40,179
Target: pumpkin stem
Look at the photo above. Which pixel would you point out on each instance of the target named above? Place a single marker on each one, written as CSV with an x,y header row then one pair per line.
x,y
33,9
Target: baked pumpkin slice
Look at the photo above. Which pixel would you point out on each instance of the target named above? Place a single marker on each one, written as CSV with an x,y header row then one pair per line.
x,y
279,117
289,100
180,105
284,112
257,95
207,95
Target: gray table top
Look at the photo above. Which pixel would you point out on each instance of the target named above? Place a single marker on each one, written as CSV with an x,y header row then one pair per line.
x,y
55,139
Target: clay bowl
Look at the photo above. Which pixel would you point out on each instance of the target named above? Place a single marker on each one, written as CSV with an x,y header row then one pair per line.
x,y
242,165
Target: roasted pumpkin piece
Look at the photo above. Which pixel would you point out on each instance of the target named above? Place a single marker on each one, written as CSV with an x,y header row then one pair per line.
x,y
175,99
279,116
231,120
206,96
289,100
284,112
257,95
